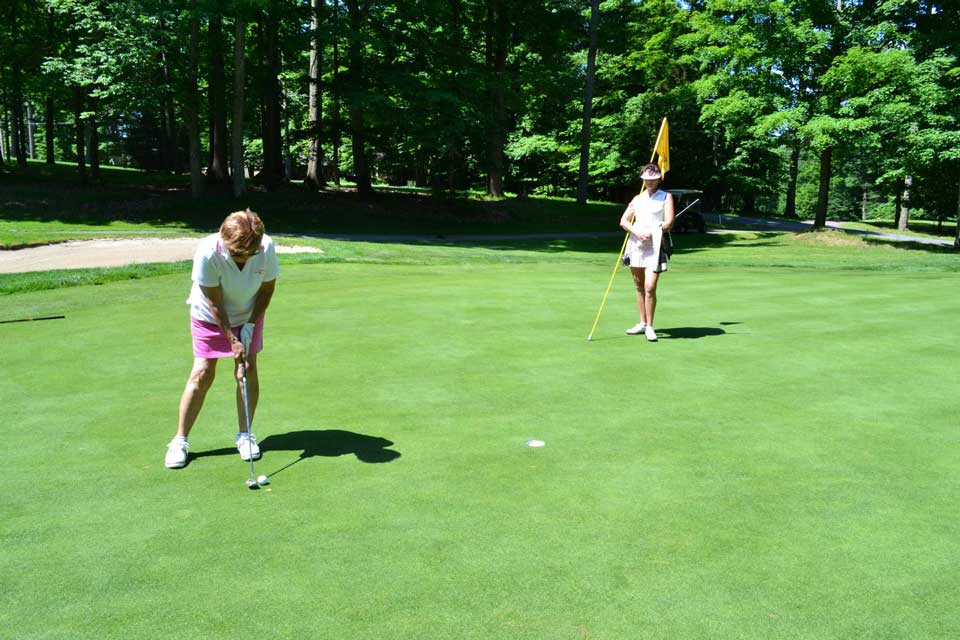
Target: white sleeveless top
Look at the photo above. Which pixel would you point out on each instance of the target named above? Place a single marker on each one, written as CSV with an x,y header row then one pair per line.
x,y
648,209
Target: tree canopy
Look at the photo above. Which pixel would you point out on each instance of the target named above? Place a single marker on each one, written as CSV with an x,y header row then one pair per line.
x,y
844,108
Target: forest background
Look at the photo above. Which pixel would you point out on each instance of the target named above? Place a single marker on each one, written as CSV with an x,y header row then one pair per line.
x,y
819,109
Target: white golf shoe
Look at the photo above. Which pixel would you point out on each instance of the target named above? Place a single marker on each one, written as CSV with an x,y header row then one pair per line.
x,y
651,334
247,446
176,454
637,329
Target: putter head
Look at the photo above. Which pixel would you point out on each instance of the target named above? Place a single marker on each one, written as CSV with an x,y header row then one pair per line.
x,y
252,484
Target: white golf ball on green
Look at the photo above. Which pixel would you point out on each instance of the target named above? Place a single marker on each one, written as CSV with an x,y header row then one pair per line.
x,y
262,480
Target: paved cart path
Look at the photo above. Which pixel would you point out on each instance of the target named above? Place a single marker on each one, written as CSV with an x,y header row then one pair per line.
x,y
79,254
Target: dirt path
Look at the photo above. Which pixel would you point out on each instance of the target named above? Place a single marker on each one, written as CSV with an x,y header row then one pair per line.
x,y
80,254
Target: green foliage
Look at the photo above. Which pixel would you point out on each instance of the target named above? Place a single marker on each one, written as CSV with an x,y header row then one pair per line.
x,y
745,84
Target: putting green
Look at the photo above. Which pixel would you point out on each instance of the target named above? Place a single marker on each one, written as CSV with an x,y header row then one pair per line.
x,y
781,464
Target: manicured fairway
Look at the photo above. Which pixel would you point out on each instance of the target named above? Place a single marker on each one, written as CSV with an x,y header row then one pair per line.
x,y
782,464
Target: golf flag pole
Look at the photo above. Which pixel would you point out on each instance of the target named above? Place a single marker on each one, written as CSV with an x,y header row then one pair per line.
x,y
662,149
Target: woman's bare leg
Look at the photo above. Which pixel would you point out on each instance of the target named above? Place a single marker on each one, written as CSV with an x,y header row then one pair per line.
x,y
201,377
650,296
638,280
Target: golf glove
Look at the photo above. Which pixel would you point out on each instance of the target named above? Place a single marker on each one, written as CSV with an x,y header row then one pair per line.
x,y
246,335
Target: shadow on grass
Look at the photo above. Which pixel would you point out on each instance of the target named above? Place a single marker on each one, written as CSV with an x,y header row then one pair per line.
x,y
682,333
690,333
328,443
49,194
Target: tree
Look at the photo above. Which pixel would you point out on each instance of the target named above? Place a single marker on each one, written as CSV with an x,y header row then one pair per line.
x,y
193,104
498,24
268,28
239,82
759,63
217,171
588,103
359,11
314,179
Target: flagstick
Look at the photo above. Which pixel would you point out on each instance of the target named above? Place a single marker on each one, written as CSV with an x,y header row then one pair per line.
x,y
624,246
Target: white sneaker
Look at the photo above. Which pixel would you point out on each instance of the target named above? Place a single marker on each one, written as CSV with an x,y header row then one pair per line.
x,y
176,454
651,334
637,329
247,446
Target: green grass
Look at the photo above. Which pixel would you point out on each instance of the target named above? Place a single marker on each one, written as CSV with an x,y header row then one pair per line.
x,y
780,465
826,250
19,234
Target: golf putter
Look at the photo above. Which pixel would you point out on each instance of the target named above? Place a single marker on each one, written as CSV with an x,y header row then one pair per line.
x,y
252,482
685,208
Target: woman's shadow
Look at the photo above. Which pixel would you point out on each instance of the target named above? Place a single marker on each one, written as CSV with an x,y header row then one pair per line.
x,y
330,443
692,333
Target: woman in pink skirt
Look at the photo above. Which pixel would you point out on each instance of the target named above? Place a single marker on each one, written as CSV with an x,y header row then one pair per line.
x,y
234,274
647,216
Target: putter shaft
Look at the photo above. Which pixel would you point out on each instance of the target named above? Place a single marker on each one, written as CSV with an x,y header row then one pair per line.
x,y
246,413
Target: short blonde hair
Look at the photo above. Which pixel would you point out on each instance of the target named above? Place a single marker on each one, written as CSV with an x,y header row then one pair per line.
x,y
242,231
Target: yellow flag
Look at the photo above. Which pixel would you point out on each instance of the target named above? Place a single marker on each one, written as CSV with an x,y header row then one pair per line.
x,y
663,148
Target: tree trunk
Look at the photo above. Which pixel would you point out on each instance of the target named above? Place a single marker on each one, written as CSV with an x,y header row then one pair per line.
x,y
239,180
337,132
163,144
94,148
31,147
48,131
4,152
217,171
823,197
496,54
864,193
170,130
78,132
49,114
287,154
193,106
898,203
904,221
5,115
17,98
790,208
357,92
588,104
314,179
19,146
956,239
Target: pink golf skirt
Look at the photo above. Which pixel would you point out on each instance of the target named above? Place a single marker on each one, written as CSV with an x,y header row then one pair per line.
x,y
209,342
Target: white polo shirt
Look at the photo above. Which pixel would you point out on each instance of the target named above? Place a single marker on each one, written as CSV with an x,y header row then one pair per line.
x,y
214,267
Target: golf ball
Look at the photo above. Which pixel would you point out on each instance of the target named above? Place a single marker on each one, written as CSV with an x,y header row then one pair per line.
x,y
262,480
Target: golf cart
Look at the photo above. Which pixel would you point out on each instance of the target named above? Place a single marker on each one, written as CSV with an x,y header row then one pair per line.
x,y
692,220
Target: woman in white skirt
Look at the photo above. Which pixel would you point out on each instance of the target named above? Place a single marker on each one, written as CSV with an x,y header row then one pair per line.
x,y
647,216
